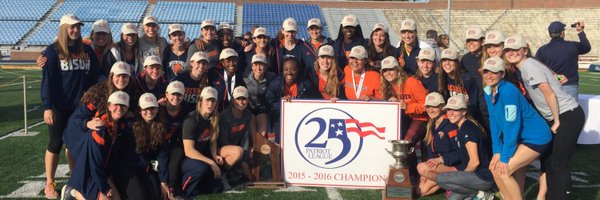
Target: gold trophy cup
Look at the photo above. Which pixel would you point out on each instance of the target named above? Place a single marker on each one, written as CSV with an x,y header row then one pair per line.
x,y
397,186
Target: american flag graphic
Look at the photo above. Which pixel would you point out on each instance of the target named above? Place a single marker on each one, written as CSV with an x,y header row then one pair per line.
x,y
340,127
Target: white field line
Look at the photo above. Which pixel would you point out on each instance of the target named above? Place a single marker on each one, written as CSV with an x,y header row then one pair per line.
x,y
10,134
19,83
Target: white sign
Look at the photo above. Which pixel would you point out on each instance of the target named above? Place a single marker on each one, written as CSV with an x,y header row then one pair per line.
x,y
338,144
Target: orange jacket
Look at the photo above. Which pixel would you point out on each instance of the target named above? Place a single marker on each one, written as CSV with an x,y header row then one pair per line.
x,y
413,94
369,88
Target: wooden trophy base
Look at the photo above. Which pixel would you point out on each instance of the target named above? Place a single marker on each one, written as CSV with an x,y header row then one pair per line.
x,y
397,186
265,149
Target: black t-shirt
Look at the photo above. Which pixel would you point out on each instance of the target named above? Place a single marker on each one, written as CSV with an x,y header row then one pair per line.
x,y
174,124
234,131
197,129
174,64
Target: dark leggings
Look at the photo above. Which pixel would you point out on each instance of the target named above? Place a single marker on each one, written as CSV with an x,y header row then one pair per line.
x,y
175,162
55,132
144,186
558,174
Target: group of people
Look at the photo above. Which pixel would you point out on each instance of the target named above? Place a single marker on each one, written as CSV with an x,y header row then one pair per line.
x,y
142,118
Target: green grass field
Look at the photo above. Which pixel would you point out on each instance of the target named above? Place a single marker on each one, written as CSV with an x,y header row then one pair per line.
x,y
21,162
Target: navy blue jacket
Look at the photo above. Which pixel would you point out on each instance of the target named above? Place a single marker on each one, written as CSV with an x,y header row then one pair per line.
x,y
340,48
562,56
141,162
306,90
281,53
65,81
217,80
310,54
442,143
410,61
430,83
472,62
469,132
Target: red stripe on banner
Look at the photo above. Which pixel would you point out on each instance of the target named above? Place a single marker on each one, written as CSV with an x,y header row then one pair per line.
x,y
365,124
365,133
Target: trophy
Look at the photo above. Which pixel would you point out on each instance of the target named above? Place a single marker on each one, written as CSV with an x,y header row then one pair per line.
x,y
398,186
266,149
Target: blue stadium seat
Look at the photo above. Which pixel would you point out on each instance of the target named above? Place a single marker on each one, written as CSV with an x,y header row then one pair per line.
x,y
116,11
194,12
12,31
271,16
24,9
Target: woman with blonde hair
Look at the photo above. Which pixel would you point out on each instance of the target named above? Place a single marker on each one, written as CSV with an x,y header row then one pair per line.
x,y
201,167
326,74
151,43
70,70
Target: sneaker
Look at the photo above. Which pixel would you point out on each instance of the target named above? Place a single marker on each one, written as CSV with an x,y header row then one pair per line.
x,y
482,195
50,191
66,193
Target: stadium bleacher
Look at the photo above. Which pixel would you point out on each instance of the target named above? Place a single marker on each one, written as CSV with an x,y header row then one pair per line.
x,y
24,9
12,31
47,34
271,17
194,12
113,11
191,31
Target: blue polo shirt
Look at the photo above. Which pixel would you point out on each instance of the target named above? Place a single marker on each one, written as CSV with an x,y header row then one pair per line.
x,y
513,121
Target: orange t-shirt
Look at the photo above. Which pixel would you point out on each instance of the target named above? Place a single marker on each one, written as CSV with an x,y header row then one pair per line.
x,y
322,84
370,86
291,90
413,94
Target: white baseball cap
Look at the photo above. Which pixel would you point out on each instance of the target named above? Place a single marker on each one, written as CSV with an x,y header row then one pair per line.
x,y
152,60
150,20
100,25
290,25
358,52
314,22
208,93
259,58
224,25
350,20
449,53
119,97
514,42
456,103
120,67
434,99
426,54
408,25
175,27
389,63
207,22
326,50
70,19
240,91
494,64
260,31
494,37
175,87
380,26
474,33
148,100
129,28
227,52
198,56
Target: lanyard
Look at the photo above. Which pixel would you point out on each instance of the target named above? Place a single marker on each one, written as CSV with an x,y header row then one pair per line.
x,y
360,83
232,85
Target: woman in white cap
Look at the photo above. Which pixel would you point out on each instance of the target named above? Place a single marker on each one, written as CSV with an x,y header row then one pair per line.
x,y
290,85
442,153
397,86
128,48
100,151
260,46
176,54
151,43
149,142
360,81
379,46
226,38
428,71
312,44
225,77
454,80
472,177
326,75
471,61
119,79
70,70
207,43
349,35
257,83
201,167
409,46
558,108
175,112
194,79
235,131
151,80
519,134
288,46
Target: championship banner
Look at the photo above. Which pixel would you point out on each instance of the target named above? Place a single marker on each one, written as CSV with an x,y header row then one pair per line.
x,y
340,144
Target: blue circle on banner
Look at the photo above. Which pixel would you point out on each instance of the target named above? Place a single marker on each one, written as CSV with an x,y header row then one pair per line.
x,y
322,138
